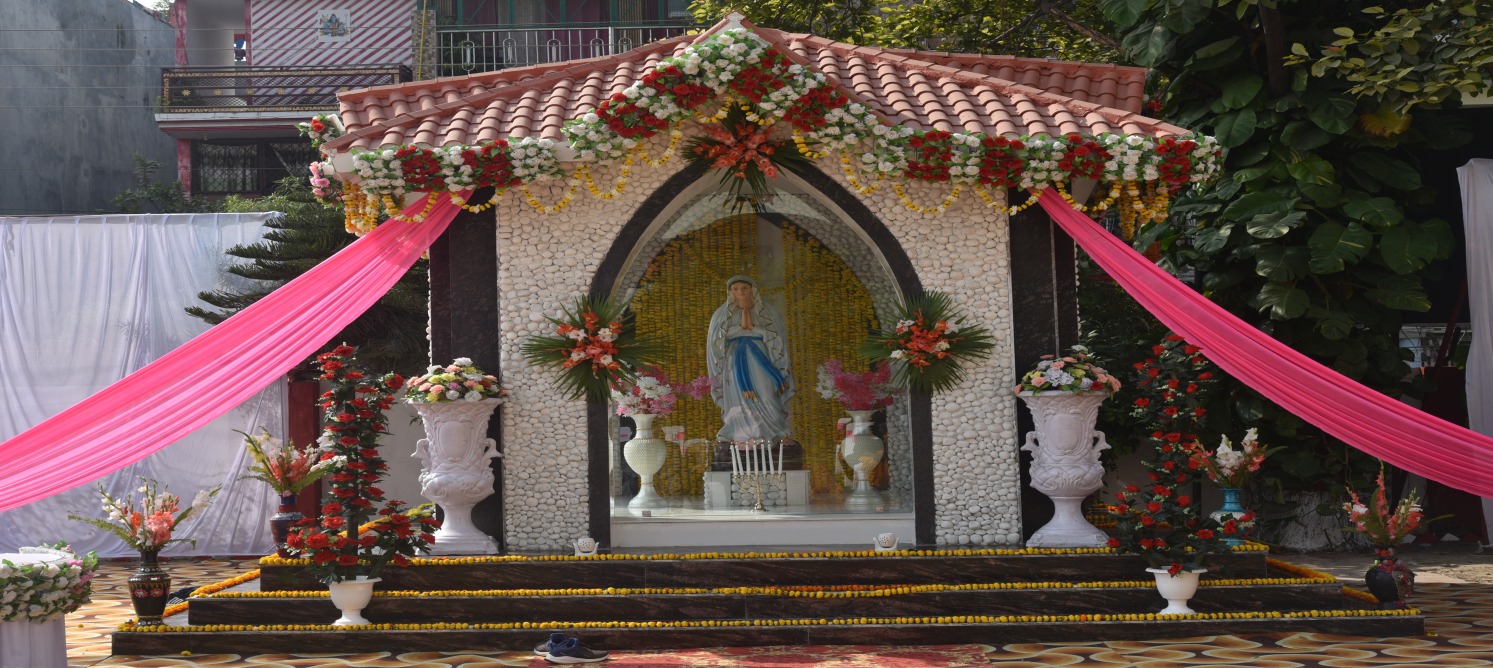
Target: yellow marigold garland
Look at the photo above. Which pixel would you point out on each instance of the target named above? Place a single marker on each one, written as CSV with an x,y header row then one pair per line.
x,y
675,136
130,627
458,200
584,172
850,177
907,201
570,188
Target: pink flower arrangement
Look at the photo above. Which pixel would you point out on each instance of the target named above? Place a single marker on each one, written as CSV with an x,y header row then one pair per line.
x,y
457,381
1374,520
698,388
866,391
1228,467
147,525
651,394
1077,372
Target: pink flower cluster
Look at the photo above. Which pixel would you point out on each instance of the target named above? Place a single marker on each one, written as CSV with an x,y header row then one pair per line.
x,y
865,391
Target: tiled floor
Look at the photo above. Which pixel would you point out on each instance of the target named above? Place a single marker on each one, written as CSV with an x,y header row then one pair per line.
x,y
1459,619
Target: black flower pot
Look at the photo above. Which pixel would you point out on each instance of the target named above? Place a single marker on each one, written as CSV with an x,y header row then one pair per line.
x,y
1390,581
150,587
284,519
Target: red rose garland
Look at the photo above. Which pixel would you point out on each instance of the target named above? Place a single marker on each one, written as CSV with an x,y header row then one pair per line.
x,y
930,156
1084,158
1001,164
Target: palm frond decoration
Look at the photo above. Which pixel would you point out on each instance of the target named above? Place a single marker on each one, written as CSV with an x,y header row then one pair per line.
x,y
931,343
745,152
595,347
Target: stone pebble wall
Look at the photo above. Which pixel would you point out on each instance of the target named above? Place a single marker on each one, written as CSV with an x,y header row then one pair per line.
x,y
545,260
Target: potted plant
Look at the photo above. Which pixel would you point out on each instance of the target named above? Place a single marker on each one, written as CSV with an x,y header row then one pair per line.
x,y
1388,580
861,394
1063,395
644,399
1230,470
147,526
1162,524
345,550
930,344
287,470
455,403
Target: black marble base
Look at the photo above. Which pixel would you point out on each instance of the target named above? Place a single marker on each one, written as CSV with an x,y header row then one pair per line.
x,y
765,572
640,607
261,642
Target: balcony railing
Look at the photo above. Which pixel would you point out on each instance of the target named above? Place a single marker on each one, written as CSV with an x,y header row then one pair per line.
x,y
298,89
468,49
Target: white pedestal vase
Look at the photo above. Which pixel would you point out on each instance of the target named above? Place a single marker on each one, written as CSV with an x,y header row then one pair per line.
x,y
1065,451
1176,589
351,596
457,474
645,454
862,451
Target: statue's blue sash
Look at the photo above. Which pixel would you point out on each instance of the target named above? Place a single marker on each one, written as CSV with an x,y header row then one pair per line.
x,y
748,348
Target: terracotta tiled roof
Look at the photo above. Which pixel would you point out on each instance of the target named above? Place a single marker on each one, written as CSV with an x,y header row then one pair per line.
x,y
923,89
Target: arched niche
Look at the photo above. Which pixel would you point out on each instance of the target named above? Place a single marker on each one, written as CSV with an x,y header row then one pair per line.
x,y
809,203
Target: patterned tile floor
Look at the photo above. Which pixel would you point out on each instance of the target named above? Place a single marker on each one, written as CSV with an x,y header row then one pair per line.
x,y
1459,621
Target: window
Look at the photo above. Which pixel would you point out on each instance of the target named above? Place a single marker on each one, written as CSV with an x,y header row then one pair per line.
x,y
247,167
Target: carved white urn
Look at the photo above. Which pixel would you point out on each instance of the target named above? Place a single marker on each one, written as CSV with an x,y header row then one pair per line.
x,y
861,451
1065,451
457,474
646,455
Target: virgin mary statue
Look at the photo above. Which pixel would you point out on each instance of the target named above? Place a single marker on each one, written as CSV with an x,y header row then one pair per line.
x,y
747,359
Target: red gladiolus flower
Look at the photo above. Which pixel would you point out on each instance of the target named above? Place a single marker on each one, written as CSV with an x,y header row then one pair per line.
x,y
1205,534
1184,501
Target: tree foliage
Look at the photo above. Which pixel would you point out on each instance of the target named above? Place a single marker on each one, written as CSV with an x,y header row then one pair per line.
x,y
1312,235
1422,56
149,195
390,335
1065,29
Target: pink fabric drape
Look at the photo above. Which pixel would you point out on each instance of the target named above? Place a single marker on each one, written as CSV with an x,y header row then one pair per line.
x,y
1372,422
209,375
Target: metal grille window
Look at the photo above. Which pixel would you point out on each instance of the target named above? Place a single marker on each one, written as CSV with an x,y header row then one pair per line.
x,y
218,168
223,167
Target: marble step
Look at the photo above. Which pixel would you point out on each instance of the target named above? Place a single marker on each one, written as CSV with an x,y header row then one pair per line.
x,y
669,607
247,642
761,572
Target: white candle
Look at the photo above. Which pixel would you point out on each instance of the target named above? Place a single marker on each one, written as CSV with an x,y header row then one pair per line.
x,y
735,462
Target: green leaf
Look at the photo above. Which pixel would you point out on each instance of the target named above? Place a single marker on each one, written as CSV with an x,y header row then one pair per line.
x,y
1256,203
1312,170
1215,55
1324,195
1391,172
1334,114
1405,250
1240,90
1234,128
1281,263
1334,325
1380,212
1274,225
1285,300
1304,136
1335,246
1400,292
1123,13
1218,280
1147,44
1210,240
1440,232
1343,32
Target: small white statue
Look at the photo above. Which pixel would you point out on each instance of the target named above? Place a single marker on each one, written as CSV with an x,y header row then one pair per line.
x,y
585,546
885,542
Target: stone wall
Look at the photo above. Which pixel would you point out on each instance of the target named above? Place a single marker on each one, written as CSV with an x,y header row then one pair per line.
x,y
545,260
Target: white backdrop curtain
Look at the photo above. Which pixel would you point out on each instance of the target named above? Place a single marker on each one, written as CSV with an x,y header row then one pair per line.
x,y
87,300
1477,221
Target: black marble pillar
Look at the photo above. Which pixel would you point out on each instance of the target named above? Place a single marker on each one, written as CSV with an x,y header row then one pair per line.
x,y
464,323
1044,304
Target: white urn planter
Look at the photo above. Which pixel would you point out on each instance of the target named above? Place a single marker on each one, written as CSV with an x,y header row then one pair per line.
x,y
456,455
862,451
1065,451
646,455
351,596
1176,589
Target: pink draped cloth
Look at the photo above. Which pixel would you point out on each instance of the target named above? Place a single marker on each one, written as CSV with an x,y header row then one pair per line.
x,y
216,371
1363,418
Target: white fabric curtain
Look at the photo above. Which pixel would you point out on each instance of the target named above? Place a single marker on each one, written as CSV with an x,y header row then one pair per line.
x,y
87,300
1477,220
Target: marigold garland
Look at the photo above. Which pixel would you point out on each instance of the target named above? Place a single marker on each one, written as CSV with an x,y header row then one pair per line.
x,y
130,627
